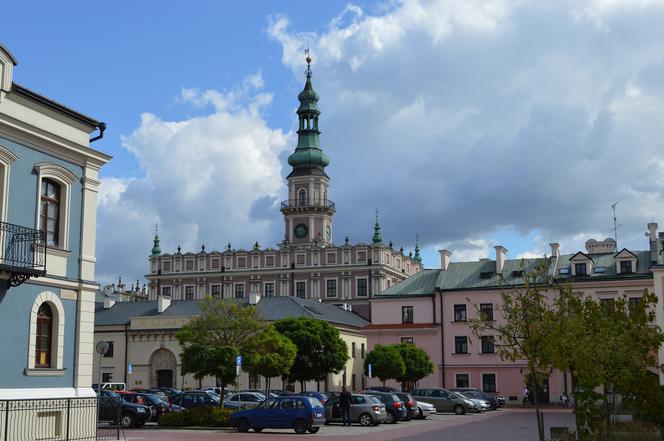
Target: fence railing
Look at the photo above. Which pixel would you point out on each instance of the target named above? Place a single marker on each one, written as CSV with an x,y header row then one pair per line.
x,y
22,252
306,202
60,419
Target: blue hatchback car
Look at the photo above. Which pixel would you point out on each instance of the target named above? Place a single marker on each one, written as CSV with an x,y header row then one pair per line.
x,y
299,413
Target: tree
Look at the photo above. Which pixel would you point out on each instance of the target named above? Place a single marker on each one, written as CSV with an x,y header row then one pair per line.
x,y
417,363
269,354
386,363
211,340
320,349
521,331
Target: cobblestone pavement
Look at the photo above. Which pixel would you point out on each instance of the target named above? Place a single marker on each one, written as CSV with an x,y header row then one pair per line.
x,y
501,425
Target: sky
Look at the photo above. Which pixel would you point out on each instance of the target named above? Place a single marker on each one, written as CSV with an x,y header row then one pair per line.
x,y
465,124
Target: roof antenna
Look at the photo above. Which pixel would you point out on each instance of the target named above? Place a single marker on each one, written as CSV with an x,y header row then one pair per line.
x,y
615,223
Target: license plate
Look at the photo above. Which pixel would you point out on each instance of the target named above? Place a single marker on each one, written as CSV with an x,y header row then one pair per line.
x,y
319,415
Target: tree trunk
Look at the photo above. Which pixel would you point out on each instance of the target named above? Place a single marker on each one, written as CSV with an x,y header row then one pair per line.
x,y
301,386
267,387
577,419
538,412
222,395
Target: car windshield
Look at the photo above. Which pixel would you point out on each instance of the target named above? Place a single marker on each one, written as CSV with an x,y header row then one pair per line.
x,y
375,400
315,402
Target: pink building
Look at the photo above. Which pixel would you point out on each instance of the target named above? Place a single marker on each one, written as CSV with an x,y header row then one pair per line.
x,y
431,309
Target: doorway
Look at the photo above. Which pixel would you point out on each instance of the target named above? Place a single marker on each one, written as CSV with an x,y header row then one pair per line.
x,y
164,378
542,391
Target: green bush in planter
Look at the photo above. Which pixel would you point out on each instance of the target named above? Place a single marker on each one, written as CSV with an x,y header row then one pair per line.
x,y
198,416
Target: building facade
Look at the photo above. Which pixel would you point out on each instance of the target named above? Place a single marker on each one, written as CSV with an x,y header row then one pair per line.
x,y
432,308
144,352
48,200
307,263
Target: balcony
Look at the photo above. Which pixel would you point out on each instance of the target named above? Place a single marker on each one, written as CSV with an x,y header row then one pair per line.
x,y
294,204
22,253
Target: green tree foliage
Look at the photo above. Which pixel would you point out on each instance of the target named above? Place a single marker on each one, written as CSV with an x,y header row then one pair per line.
x,y
416,361
320,349
211,340
386,363
269,354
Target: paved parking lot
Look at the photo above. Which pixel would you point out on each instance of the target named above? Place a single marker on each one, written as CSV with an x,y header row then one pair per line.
x,y
507,424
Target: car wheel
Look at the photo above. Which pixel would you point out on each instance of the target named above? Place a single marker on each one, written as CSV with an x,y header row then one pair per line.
x,y
420,414
127,420
459,410
314,429
300,427
366,420
391,418
242,425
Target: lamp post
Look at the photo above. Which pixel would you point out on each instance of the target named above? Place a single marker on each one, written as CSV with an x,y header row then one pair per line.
x,y
101,348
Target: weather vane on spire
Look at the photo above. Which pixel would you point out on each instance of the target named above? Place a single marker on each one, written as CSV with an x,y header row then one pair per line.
x,y
308,60
156,228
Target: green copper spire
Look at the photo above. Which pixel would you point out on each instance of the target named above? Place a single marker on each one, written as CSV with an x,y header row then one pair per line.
x,y
308,154
417,256
377,237
156,250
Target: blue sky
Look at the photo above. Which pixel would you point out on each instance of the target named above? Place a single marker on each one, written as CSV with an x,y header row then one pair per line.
x,y
470,124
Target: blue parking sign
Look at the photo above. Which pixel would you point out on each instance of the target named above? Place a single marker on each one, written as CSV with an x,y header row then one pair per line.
x,y
238,360
369,369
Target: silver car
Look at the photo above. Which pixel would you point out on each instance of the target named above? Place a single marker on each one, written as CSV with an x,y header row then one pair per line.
x,y
244,400
481,404
424,409
365,409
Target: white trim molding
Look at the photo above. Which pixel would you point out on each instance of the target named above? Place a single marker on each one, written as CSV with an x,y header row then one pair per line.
x,y
7,158
58,343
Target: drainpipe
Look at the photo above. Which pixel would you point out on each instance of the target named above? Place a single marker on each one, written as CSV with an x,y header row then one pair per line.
x,y
102,128
442,337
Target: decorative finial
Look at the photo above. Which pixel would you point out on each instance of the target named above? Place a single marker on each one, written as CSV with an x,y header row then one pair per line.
x,y
401,250
229,247
346,240
391,245
417,256
308,60
179,249
377,237
257,247
410,254
202,247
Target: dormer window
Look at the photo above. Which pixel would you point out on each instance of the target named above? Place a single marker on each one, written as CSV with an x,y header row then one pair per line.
x,y
626,267
580,269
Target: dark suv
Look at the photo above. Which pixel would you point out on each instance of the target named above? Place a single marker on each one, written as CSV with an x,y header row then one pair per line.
x,y
196,398
128,415
396,409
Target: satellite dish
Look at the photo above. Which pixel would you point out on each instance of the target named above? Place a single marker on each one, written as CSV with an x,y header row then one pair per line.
x,y
102,347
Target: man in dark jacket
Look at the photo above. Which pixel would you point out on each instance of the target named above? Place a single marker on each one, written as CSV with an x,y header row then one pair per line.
x,y
345,400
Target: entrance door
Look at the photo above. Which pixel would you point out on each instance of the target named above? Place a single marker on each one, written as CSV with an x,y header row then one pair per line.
x,y
164,378
542,391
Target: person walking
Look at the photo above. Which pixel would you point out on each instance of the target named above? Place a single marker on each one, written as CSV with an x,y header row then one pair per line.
x,y
526,394
344,402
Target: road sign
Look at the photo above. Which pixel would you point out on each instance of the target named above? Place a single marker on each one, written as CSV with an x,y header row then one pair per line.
x,y
130,368
369,369
238,360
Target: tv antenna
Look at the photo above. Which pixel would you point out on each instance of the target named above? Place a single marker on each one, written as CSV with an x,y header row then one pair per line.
x,y
615,223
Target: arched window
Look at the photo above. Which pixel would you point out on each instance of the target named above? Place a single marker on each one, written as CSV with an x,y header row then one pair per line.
x,y
302,197
44,336
49,214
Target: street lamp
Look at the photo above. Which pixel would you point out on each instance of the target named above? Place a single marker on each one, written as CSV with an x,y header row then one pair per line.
x,y
101,348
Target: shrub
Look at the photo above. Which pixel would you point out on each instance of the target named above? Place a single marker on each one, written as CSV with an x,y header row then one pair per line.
x,y
198,416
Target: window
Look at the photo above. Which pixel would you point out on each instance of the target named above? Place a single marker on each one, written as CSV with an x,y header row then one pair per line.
x,y
607,305
239,290
489,382
166,266
406,339
214,263
254,381
625,267
269,289
302,197
269,260
241,262
362,256
461,345
107,377
331,288
300,289
361,287
299,259
109,353
44,336
486,311
460,313
488,346
166,291
353,383
216,291
580,269
189,265
331,258
406,314
189,293
352,350
49,213
462,380
634,302
362,350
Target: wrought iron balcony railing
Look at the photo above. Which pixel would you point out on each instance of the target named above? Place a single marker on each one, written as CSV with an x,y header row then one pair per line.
x,y
22,252
306,203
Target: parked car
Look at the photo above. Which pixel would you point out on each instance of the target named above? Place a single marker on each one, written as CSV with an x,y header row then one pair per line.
x,y
424,409
169,391
444,400
396,409
109,386
320,395
473,393
409,402
196,398
128,415
262,392
500,399
365,409
245,400
480,403
382,389
302,414
282,393
157,405
159,393
216,390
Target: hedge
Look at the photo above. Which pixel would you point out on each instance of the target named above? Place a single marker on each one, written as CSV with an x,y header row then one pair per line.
x,y
198,416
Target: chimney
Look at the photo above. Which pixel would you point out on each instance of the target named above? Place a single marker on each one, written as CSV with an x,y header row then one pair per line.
x,y
652,231
254,298
163,302
555,249
501,253
445,256
108,302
